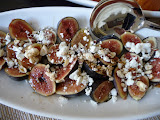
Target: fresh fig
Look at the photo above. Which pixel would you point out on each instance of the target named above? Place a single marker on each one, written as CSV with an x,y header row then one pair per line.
x,y
155,62
117,82
83,37
20,29
2,38
101,91
2,62
139,88
67,28
69,87
62,72
40,81
98,74
25,63
107,37
113,45
52,57
153,42
130,37
16,74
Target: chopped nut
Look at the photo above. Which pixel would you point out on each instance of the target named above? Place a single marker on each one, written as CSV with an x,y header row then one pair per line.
x,y
66,62
22,69
141,85
1,52
148,72
120,74
43,51
120,65
123,85
51,75
32,52
34,60
150,76
112,54
16,42
147,66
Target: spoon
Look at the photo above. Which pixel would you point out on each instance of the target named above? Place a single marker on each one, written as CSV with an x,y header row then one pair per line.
x,y
118,16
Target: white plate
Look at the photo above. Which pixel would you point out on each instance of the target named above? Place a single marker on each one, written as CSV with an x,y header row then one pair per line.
x,y
91,3
19,94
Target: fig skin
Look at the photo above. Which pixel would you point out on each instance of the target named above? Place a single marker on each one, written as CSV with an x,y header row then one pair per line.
x,y
107,37
153,42
101,91
2,38
129,37
15,74
69,88
78,38
113,45
40,82
117,84
93,74
2,62
62,72
69,27
134,91
155,70
18,28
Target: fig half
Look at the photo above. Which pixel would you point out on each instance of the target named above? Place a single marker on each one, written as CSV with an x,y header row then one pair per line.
x,y
135,90
67,28
20,29
2,62
101,91
117,82
40,81
69,87
2,38
15,74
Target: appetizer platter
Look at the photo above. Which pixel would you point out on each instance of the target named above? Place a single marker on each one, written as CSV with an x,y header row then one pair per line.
x,y
52,66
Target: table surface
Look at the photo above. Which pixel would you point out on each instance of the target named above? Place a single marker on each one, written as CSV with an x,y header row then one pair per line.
x,y
10,113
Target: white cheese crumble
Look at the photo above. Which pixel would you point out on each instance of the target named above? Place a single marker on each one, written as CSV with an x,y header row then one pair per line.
x,y
130,80
8,38
88,91
114,95
63,50
157,54
61,34
144,48
18,52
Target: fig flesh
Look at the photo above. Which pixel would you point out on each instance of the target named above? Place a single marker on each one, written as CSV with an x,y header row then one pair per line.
x,y
83,37
52,57
129,37
40,81
67,28
69,87
135,90
16,74
117,82
62,72
101,91
20,29
113,45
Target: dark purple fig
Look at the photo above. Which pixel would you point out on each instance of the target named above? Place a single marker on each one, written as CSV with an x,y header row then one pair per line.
x,y
20,29
15,74
69,87
153,42
83,37
40,81
98,74
155,62
2,38
130,37
113,45
52,57
118,84
2,62
62,72
67,28
101,91
139,88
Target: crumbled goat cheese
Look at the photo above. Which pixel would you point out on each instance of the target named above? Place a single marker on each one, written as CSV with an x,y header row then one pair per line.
x,y
61,34
131,64
10,63
141,85
85,38
120,74
88,90
144,48
129,81
89,57
8,39
157,54
114,95
22,69
1,52
86,31
18,52
120,65
43,51
63,50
